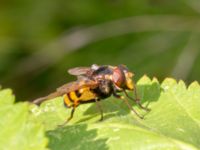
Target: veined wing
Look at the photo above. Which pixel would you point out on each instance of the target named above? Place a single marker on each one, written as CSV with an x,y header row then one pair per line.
x,y
83,71
79,71
66,88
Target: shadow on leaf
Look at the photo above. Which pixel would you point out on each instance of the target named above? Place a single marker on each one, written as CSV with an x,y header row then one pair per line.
x,y
75,137
148,93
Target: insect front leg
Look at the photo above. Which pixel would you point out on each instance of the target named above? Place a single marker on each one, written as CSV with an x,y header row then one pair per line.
x,y
127,103
137,101
100,108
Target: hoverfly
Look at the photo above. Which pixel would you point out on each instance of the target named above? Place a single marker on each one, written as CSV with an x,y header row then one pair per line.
x,y
94,84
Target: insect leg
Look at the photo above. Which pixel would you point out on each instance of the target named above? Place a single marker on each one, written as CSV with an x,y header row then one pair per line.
x,y
100,109
136,100
71,115
127,103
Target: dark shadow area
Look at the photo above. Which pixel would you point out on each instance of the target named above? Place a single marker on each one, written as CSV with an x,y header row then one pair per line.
x,y
75,137
148,93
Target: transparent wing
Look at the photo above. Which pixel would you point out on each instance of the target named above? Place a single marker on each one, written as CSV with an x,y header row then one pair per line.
x,y
79,71
82,71
66,88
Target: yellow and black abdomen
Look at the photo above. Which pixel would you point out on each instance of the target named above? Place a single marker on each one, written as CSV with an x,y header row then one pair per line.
x,y
83,95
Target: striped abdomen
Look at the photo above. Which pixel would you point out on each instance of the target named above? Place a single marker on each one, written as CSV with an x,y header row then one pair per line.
x,y
82,95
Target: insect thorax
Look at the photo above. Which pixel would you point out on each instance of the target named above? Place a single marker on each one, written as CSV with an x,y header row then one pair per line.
x,y
104,89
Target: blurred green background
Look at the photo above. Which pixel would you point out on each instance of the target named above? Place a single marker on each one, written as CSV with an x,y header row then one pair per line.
x,y
40,40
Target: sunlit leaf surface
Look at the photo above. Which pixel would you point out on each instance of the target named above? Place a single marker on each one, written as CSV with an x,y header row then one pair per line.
x,y
19,130
172,123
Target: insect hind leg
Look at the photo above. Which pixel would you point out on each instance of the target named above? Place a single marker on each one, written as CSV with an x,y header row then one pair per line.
x,y
71,115
68,119
69,104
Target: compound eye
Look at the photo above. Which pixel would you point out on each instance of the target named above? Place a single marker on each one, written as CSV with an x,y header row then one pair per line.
x,y
118,77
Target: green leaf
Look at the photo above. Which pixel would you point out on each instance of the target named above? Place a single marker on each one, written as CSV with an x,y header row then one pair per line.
x,y
172,123
19,130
